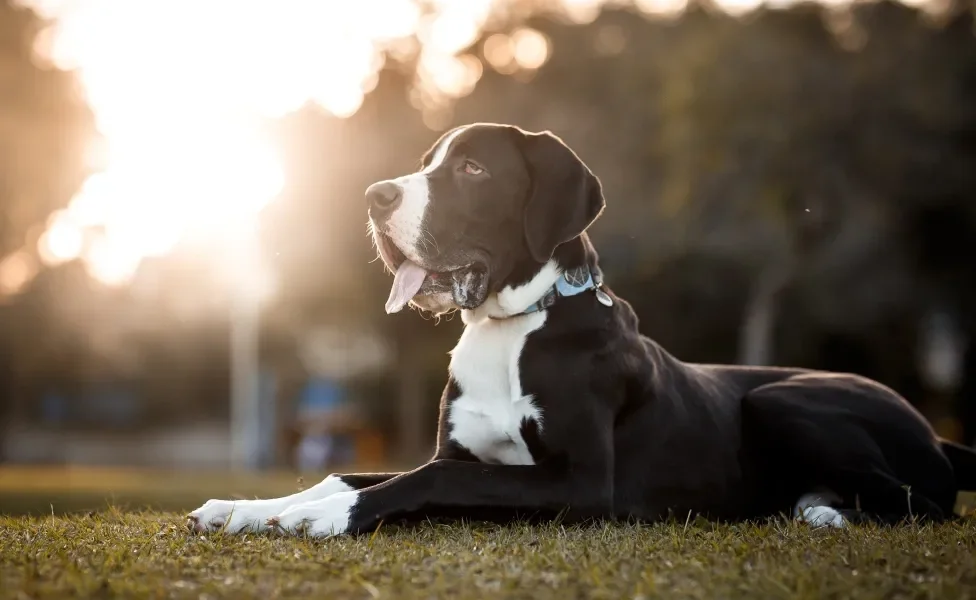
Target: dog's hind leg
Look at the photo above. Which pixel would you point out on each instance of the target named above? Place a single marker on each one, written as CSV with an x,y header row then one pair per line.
x,y
818,509
844,435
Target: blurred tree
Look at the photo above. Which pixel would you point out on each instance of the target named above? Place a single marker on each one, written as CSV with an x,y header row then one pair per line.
x,y
45,129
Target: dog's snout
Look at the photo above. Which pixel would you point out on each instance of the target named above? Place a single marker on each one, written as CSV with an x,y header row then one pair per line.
x,y
383,198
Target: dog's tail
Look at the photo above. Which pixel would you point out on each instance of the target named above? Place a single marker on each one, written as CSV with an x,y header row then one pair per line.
x,y
963,461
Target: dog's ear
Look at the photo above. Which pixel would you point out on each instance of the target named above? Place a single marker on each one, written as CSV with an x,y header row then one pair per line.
x,y
565,198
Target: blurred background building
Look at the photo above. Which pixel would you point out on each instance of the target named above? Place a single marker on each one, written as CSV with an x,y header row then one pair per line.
x,y
185,276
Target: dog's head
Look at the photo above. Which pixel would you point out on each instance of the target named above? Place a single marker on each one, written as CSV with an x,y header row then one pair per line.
x,y
490,204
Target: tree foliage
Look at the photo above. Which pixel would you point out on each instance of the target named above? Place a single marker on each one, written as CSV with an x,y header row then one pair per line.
x,y
45,131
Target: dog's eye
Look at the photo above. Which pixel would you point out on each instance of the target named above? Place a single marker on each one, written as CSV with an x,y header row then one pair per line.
x,y
471,168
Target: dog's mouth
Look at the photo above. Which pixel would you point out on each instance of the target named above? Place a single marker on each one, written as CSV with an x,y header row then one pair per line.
x,y
409,278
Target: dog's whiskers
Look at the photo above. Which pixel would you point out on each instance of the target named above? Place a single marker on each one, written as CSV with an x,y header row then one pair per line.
x,y
428,240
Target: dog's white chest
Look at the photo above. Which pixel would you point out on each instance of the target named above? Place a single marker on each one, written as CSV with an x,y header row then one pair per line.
x,y
487,417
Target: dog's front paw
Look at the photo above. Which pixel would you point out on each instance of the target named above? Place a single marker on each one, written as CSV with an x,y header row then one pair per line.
x,y
230,516
320,518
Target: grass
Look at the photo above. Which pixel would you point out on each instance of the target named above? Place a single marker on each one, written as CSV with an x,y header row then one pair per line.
x,y
86,533
148,554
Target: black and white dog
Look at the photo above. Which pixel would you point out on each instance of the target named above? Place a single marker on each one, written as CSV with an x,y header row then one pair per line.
x,y
555,404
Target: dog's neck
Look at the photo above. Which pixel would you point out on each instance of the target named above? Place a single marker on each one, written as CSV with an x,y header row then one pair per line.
x,y
518,297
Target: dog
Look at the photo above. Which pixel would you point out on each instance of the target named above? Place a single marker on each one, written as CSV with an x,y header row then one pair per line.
x,y
555,405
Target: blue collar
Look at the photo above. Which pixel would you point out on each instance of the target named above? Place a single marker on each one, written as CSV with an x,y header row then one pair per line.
x,y
570,283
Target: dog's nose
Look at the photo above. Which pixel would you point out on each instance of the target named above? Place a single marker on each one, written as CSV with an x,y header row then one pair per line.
x,y
383,197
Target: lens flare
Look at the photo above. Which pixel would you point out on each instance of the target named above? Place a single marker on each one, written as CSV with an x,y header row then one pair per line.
x,y
15,271
181,122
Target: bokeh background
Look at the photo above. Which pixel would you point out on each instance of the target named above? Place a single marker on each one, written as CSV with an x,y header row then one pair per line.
x,y
188,307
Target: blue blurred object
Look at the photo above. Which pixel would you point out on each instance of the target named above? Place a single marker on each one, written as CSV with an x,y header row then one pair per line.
x,y
113,404
316,449
320,396
268,390
54,408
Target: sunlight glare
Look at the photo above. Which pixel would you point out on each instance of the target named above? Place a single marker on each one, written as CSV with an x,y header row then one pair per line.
x,y
499,53
454,26
664,8
110,262
530,48
582,12
183,153
738,8
15,271
63,241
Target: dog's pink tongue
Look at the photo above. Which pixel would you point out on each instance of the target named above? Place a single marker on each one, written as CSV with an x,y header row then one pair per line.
x,y
406,283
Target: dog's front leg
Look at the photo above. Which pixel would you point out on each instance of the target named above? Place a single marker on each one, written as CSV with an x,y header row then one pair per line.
x,y
450,486
236,516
